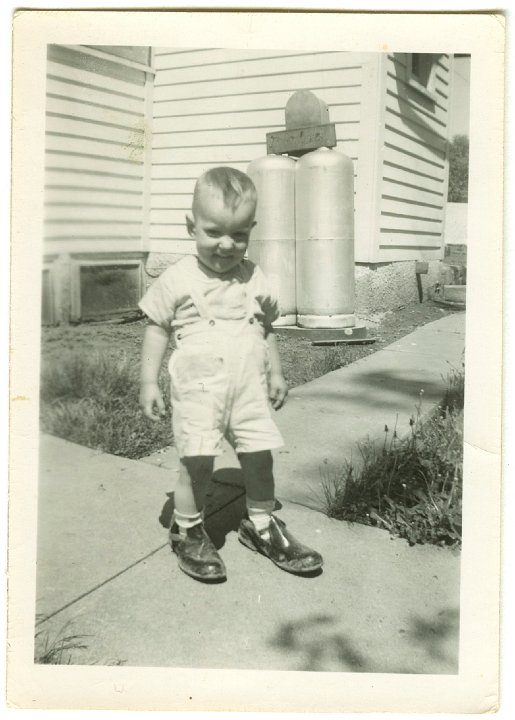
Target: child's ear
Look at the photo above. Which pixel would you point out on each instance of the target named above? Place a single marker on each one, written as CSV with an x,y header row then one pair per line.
x,y
254,223
190,225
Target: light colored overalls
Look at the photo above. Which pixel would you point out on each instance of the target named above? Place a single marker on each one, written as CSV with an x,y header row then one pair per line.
x,y
219,380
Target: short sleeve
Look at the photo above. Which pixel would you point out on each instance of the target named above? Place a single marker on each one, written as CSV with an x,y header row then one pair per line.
x,y
159,301
266,297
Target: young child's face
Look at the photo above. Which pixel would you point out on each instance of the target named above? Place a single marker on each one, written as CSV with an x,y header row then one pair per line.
x,y
221,233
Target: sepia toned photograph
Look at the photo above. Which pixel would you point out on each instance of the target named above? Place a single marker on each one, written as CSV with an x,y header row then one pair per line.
x,y
252,359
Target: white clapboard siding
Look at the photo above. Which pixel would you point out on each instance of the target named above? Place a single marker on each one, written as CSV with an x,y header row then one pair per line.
x,y
59,89
215,106
79,128
414,160
95,151
263,68
83,181
254,100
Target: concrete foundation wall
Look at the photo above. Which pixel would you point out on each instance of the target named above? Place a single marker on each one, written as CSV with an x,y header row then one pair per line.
x,y
385,287
378,288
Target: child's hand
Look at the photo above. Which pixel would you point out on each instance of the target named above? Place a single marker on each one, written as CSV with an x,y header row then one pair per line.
x,y
151,401
277,390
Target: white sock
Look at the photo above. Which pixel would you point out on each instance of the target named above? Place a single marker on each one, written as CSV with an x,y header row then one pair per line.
x,y
260,512
186,521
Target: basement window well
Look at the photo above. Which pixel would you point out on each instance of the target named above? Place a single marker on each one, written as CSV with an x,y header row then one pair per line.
x,y
106,290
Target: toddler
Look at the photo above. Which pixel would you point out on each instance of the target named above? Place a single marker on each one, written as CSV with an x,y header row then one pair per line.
x,y
225,375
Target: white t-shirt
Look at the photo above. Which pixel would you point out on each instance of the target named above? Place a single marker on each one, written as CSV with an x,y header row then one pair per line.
x,y
169,303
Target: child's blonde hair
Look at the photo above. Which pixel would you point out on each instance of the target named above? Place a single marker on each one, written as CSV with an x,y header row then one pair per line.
x,y
235,186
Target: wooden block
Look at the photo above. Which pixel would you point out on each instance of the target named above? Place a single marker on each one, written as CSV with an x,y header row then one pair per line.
x,y
302,140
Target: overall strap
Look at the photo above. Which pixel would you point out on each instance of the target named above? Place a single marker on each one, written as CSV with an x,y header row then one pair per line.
x,y
200,303
251,299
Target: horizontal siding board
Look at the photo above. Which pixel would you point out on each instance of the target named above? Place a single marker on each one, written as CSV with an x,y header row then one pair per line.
x,y
415,147
406,176
261,68
165,57
265,118
66,178
70,91
400,207
102,83
228,100
276,83
403,223
59,213
87,245
100,229
95,130
221,121
82,145
62,110
211,154
416,128
170,216
189,170
93,165
409,239
173,186
399,157
205,138
65,195
168,57
410,195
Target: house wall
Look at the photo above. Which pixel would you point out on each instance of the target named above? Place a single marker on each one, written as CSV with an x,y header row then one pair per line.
x,y
215,107
414,164
96,163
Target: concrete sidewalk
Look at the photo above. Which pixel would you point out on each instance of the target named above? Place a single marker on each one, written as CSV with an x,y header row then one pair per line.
x,y
105,569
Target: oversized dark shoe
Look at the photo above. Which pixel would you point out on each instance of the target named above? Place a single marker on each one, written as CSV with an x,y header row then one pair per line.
x,y
196,554
282,548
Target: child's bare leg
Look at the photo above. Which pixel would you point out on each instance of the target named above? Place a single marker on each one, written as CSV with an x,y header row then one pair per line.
x,y
194,475
195,552
257,468
264,532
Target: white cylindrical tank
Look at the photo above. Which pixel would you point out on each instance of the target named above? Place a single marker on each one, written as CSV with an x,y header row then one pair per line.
x,y
272,242
324,199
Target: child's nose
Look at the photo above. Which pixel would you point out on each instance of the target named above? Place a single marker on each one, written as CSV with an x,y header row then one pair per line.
x,y
226,242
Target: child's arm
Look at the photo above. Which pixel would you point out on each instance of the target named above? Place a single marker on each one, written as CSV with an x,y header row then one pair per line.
x,y
155,342
278,388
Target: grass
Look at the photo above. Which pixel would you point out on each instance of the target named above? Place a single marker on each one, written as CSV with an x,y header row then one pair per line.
x,y
411,486
57,650
62,648
92,399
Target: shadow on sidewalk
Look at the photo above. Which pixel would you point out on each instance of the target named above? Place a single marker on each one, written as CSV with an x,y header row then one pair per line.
x,y
225,505
321,642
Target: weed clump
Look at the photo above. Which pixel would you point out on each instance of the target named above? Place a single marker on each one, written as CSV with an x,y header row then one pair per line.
x,y
92,399
411,486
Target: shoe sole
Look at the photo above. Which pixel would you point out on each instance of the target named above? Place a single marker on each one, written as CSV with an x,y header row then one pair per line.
x,y
250,545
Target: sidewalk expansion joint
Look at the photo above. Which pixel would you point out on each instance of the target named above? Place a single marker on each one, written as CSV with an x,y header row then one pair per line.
x,y
124,570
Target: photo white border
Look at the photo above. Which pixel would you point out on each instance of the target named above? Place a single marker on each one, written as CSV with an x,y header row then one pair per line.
x,y
475,688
